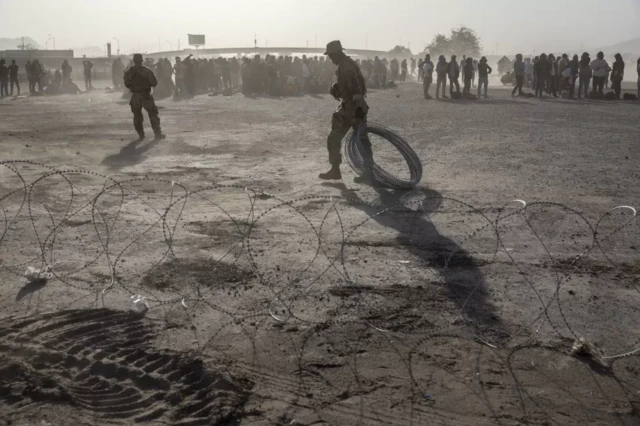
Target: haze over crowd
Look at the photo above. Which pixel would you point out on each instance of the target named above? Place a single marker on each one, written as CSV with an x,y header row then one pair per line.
x,y
504,26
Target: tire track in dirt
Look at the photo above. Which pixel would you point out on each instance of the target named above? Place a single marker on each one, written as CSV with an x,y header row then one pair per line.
x,y
101,363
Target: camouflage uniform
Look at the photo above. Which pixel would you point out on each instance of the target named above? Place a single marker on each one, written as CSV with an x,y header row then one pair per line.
x,y
350,89
140,79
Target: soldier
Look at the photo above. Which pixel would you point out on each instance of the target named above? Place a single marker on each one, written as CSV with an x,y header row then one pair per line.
x,y
350,88
140,79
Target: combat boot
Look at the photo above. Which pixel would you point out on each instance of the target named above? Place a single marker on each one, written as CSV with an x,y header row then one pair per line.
x,y
141,136
333,174
367,178
160,135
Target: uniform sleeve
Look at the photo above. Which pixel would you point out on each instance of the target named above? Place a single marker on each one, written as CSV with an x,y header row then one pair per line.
x,y
153,81
127,79
355,86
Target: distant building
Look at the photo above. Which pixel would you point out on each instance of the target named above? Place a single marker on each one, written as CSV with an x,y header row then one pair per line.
x,y
37,54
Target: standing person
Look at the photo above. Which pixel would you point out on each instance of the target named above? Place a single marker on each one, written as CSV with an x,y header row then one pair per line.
x,y
27,68
13,76
535,72
574,70
617,75
37,70
189,76
226,74
562,65
519,70
395,68
66,71
352,113
427,69
87,74
4,79
441,74
483,76
453,71
638,69
463,62
542,70
600,69
235,72
468,74
405,70
178,71
306,75
140,80
245,71
475,72
585,76
552,83
528,67
117,69
413,66
420,70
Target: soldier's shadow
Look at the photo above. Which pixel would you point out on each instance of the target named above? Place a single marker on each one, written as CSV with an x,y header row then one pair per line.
x,y
464,281
131,154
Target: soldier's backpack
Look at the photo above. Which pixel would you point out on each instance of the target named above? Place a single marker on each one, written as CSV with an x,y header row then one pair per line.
x,y
611,96
629,97
456,95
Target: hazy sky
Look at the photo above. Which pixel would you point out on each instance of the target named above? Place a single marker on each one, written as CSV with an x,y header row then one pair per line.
x,y
543,25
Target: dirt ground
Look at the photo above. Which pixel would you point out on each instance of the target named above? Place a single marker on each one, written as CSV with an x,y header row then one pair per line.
x,y
278,299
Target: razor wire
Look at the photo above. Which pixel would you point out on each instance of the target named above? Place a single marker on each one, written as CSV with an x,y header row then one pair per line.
x,y
352,147
112,203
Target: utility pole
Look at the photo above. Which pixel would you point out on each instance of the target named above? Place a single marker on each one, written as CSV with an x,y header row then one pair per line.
x,y
255,40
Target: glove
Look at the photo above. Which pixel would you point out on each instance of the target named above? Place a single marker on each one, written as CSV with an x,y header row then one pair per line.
x,y
335,92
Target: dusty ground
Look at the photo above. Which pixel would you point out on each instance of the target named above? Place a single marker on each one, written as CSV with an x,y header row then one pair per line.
x,y
297,302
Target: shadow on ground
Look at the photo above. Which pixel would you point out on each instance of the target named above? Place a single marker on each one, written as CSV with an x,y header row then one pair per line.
x,y
131,154
465,282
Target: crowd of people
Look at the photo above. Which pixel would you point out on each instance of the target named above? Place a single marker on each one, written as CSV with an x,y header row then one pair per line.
x,y
40,80
581,77
558,76
271,75
281,76
451,70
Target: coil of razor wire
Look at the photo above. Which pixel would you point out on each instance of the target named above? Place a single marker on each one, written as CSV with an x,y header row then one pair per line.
x,y
352,147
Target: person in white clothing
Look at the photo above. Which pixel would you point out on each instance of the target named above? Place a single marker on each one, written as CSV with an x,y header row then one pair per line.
x,y
600,69
427,76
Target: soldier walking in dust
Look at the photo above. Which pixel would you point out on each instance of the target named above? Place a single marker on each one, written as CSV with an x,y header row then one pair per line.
x,y
140,79
351,90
